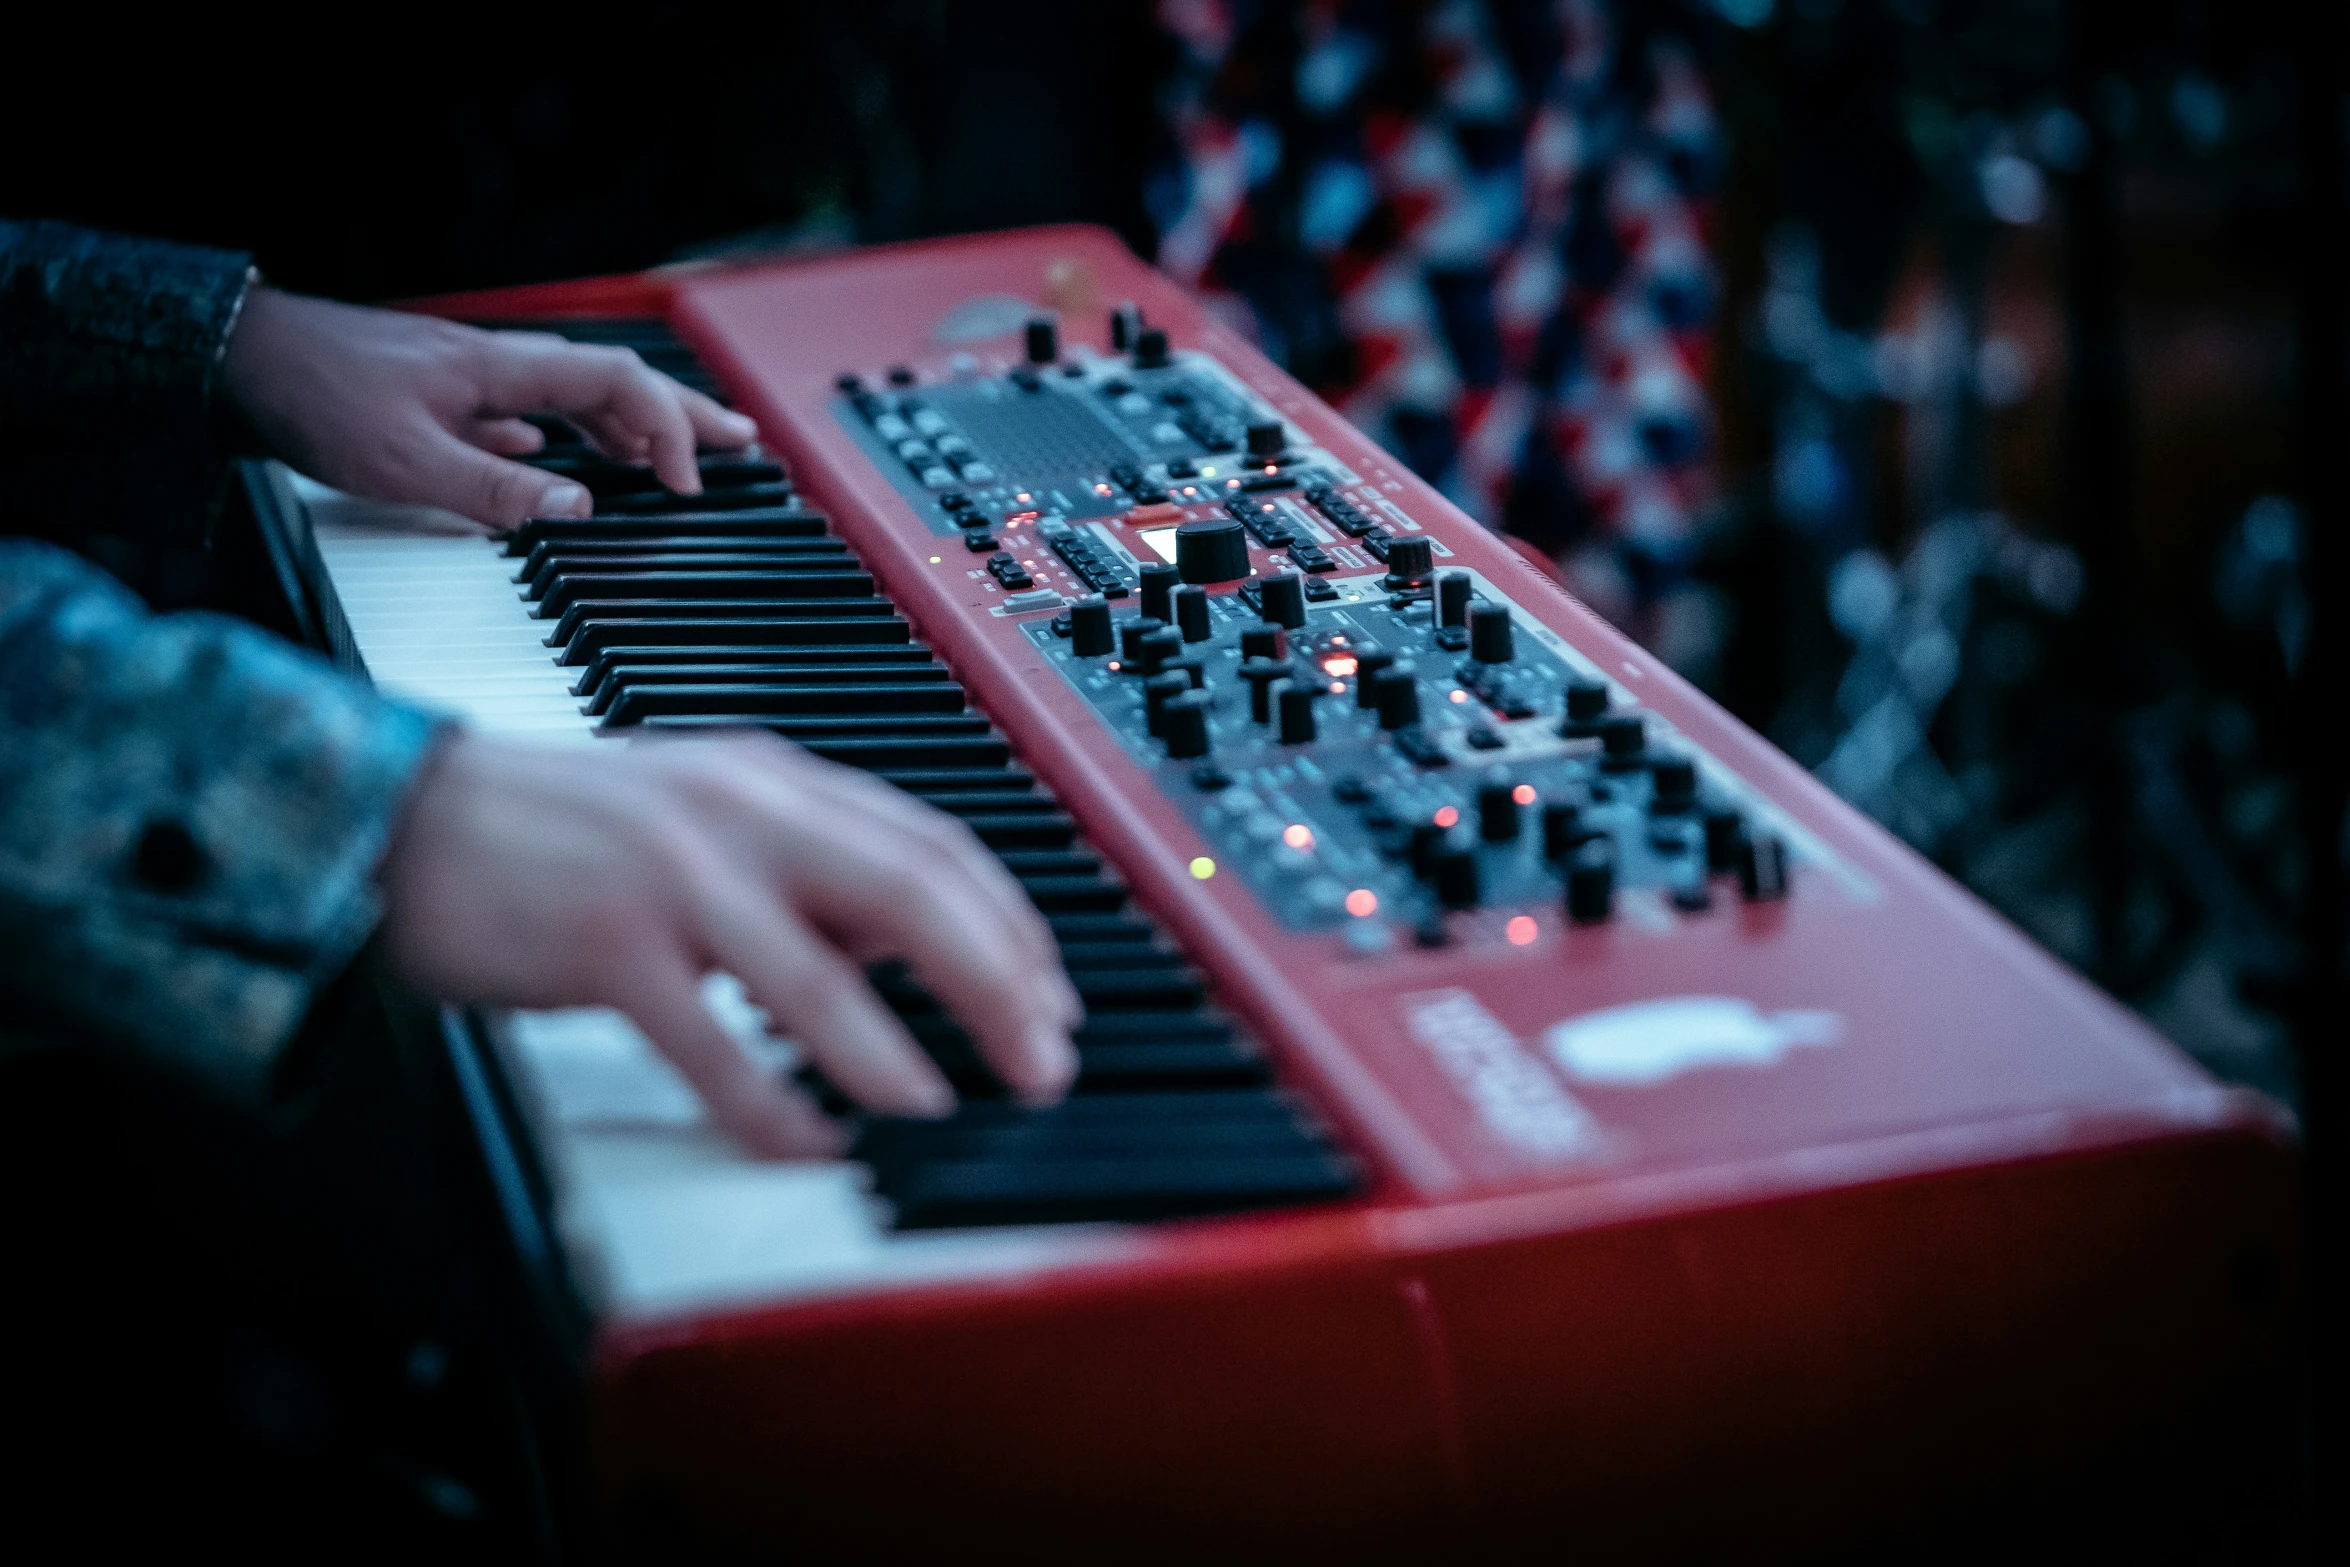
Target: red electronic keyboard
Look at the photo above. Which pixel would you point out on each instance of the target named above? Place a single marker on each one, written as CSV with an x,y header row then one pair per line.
x,y
1518,1103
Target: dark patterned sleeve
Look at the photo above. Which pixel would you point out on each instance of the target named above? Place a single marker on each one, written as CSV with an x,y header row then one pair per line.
x,y
191,817
110,357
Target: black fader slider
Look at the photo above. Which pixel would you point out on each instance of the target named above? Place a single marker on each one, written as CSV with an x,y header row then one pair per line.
x,y
1455,877
1150,349
1090,635
1285,599
1266,438
1586,704
1497,811
1156,692
1043,340
1623,742
1492,638
1158,581
1125,326
1156,647
1297,712
1562,828
1264,642
1185,721
1130,635
1675,776
1370,659
1452,598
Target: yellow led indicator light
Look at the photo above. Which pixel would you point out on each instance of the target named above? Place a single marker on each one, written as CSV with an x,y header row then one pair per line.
x,y
1203,868
934,560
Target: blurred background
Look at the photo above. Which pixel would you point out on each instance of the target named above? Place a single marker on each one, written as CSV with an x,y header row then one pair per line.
x,y
1926,379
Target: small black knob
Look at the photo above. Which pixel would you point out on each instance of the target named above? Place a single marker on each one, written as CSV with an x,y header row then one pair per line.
x,y
1455,877
1191,613
1452,597
1156,647
1398,696
1285,599
1211,551
1266,438
1409,560
1157,691
1044,340
1190,667
1562,828
1185,719
901,375
1090,635
1297,712
1675,777
1591,883
1723,830
1130,635
1125,326
1264,642
1370,659
1497,811
1623,738
1158,580
1428,841
1492,639
1586,700
1260,673
1150,349
1762,867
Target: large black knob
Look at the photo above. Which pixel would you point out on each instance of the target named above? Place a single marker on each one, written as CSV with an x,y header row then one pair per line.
x,y
1285,599
1409,561
1157,691
1370,659
1492,640
1150,349
1297,712
1211,551
1452,597
1130,636
1264,642
1191,613
1125,326
1156,647
1497,811
1090,634
1591,883
1260,673
1185,720
1586,700
1762,867
1455,877
1044,340
1158,580
1266,438
1398,696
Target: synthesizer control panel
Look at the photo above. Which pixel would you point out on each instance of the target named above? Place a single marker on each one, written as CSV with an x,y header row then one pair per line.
x,y
1378,740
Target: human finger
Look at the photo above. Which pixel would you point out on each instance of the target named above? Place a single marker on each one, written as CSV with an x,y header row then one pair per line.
x,y
875,902
821,1001
622,404
747,1102
506,437
715,425
437,469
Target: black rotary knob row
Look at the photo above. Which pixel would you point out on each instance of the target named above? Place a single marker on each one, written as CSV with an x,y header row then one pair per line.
x,y
1452,598
1215,550
1410,558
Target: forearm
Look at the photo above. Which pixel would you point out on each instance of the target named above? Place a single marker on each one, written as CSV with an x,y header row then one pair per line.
x,y
111,351
191,819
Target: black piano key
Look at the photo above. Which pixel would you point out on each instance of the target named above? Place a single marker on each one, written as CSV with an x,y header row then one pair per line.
x,y
906,657
772,522
1050,862
863,744
712,612
939,786
1077,925
574,556
623,631
1050,829
1024,1189
821,579
1159,1066
617,677
633,704
739,498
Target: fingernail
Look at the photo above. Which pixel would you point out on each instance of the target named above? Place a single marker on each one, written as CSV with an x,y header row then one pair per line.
x,y
1056,1065
933,1099
564,500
